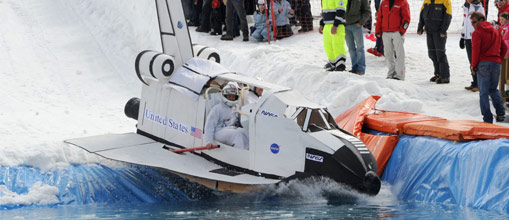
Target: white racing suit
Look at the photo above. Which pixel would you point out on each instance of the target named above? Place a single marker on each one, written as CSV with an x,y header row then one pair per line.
x,y
221,126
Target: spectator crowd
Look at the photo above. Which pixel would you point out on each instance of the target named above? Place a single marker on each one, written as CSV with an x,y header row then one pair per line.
x,y
343,23
228,18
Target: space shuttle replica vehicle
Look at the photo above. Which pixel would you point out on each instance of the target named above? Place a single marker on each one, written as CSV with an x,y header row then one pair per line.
x,y
289,137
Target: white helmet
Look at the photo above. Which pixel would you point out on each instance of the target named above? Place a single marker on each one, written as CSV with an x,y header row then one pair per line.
x,y
232,88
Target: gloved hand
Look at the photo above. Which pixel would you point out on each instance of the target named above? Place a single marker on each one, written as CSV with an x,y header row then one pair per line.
x,y
462,43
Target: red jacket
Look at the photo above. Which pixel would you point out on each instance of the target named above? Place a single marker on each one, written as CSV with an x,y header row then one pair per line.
x,y
216,4
504,8
393,19
487,44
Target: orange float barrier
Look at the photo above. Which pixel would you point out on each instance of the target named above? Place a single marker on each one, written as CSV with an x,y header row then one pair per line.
x,y
392,121
381,146
352,119
459,130
398,123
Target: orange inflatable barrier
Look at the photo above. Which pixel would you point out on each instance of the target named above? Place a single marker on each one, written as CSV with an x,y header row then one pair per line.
x,y
381,146
352,119
460,130
392,122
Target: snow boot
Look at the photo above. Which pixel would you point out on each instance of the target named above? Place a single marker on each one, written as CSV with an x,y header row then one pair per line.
x,y
214,33
203,30
469,87
355,72
372,51
340,67
245,36
226,37
500,118
434,78
329,67
442,81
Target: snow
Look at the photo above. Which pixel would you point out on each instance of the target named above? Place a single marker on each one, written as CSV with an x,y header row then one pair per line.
x,y
67,70
39,194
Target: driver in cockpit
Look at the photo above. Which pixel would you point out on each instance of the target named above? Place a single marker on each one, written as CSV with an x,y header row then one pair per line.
x,y
253,95
223,120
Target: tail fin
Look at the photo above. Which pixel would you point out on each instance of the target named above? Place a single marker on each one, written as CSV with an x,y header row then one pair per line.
x,y
175,37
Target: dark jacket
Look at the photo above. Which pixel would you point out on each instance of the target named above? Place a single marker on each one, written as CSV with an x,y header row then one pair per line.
x,y
487,45
435,16
357,11
393,19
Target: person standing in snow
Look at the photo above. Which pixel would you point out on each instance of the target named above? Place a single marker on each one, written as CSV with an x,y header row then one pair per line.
x,y
435,19
196,7
283,12
378,50
223,123
357,13
260,32
332,26
233,6
504,74
469,7
206,13
488,51
303,12
391,24
217,17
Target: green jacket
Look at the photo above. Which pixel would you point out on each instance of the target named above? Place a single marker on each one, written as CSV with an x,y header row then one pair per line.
x,y
357,11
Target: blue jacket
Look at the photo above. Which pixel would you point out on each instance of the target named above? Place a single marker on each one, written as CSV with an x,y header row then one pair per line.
x,y
260,32
259,19
282,18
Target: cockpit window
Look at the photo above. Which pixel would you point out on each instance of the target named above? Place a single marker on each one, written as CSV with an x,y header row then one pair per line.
x,y
300,116
317,121
329,119
313,119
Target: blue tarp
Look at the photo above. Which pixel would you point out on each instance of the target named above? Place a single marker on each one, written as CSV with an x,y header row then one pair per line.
x,y
468,174
92,183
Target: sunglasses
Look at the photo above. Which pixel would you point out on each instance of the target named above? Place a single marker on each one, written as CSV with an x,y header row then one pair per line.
x,y
474,22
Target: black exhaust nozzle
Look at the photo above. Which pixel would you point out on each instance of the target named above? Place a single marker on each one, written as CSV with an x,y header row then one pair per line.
x,y
132,108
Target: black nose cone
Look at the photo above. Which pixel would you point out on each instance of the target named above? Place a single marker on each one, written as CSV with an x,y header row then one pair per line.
x,y
371,183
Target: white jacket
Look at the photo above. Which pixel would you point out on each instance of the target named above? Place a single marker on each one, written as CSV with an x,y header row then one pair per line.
x,y
220,117
468,29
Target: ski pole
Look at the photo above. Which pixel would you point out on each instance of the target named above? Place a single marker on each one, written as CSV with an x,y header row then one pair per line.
x,y
274,29
267,23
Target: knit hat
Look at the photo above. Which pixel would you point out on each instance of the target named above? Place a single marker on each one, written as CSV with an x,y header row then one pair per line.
x,y
261,2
